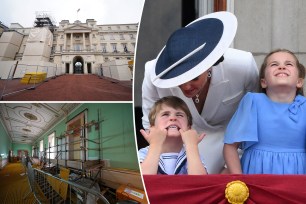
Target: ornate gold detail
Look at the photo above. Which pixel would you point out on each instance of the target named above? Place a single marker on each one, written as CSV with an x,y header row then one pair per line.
x,y
236,192
26,130
30,116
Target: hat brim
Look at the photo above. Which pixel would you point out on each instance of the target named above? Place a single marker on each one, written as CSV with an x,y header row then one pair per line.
x,y
230,27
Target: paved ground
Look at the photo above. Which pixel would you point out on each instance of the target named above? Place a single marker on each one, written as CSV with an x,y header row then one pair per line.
x,y
68,88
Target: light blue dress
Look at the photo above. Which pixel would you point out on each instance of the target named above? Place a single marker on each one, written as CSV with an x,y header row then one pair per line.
x,y
273,135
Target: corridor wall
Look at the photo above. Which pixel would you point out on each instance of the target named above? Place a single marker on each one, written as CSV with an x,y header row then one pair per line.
x,y
116,133
5,145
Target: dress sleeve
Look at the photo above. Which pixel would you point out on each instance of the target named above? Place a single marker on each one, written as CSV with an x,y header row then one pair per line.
x,y
149,94
203,163
243,125
142,154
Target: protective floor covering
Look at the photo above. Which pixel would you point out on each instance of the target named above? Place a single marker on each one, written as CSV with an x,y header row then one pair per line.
x,y
70,88
14,185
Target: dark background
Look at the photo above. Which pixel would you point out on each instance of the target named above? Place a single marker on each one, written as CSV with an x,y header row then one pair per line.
x,y
159,19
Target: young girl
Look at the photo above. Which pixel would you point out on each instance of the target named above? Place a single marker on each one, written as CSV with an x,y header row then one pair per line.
x,y
173,145
271,126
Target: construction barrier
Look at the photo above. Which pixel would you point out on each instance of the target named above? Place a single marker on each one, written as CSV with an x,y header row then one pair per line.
x,y
48,188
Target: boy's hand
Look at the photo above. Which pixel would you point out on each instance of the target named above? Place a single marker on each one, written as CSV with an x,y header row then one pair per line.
x,y
154,136
191,137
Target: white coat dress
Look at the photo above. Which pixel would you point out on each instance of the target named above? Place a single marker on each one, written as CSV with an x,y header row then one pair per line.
x,y
230,81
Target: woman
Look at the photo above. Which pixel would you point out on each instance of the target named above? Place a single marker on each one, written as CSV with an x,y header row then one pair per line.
x,y
197,65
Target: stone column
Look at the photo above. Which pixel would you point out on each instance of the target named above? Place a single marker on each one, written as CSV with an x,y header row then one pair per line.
x,y
71,46
84,47
65,39
85,68
90,41
71,67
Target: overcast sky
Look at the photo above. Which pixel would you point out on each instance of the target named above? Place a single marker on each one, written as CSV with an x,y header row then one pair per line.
x,y
103,11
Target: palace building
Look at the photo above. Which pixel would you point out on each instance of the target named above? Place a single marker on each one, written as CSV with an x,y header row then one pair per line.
x,y
70,48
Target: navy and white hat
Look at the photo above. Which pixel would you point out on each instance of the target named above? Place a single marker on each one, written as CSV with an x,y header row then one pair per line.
x,y
192,50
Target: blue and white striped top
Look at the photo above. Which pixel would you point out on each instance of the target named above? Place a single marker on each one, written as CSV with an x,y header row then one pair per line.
x,y
169,163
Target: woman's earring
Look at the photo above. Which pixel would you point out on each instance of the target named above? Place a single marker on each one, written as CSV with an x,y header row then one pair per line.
x,y
209,74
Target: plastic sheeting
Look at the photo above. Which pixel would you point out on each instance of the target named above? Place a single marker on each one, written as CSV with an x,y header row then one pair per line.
x,y
41,35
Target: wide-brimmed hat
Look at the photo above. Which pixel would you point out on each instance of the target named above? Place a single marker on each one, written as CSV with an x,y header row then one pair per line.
x,y
192,50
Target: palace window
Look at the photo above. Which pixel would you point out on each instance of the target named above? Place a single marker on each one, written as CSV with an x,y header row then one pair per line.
x,y
77,47
41,148
51,146
33,151
114,46
121,37
125,47
103,47
75,137
132,36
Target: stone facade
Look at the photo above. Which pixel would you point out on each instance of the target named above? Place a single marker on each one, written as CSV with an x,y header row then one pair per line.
x,y
92,44
85,44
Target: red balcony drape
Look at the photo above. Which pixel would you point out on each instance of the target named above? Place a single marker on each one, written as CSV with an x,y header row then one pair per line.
x,y
280,189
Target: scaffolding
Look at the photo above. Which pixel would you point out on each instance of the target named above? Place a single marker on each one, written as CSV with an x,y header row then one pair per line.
x,y
64,151
48,188
86,168
44,19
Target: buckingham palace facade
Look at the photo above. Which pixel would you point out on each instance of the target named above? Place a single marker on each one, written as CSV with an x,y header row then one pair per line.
x,y
74,48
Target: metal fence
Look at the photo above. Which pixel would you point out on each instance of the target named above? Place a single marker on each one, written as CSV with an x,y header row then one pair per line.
x,y
22,77
119,72
48,188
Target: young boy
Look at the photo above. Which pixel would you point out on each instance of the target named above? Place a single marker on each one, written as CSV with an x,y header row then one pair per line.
x,y
173,145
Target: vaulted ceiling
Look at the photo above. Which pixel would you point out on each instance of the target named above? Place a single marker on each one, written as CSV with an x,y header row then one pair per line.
x,y
25,122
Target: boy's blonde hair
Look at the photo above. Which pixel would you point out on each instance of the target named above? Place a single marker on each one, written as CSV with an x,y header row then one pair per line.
x,y
173,102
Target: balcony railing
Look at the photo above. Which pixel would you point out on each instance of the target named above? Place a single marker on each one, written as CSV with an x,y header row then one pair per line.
x,y
248,189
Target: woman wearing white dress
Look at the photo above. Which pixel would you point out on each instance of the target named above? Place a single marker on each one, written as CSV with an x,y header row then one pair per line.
x,y
198,66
